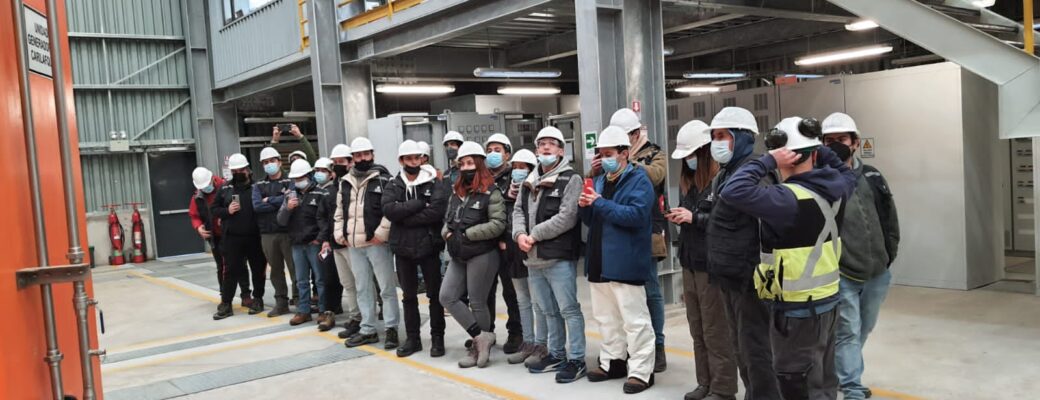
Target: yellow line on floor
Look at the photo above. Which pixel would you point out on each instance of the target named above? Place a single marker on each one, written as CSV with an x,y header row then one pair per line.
x,y
193,336
188,291
492,389
894,395
194,354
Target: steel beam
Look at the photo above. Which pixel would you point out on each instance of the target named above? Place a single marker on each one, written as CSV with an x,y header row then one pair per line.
x,y
790,48
292,75
200,79
543,50
786,9
700,23
760,33
358,100
403,17
323,32
123,36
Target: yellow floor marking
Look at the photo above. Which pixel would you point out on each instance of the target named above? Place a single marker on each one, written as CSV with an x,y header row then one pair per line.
x,y
200,335
195,354
190,292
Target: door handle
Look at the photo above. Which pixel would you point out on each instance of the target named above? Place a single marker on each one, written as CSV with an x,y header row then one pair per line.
x,y
172,212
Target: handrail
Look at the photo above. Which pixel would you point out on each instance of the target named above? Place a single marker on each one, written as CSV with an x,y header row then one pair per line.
x,y
375,14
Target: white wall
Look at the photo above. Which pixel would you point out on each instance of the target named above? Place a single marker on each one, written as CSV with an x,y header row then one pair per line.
x,y
97,235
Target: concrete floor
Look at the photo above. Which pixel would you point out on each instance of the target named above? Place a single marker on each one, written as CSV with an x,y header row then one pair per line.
x,y
162,343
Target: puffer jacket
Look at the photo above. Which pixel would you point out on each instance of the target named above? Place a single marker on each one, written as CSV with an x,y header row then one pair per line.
x,y
416,212
359,212
302,221
475,222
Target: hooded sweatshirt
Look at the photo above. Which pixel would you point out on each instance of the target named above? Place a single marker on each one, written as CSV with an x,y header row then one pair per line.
x,y
537,184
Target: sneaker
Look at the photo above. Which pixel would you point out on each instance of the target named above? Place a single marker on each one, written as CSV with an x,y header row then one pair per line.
x,y
570,371
513,343
223,311
360,339
548,363
326,321
470,360
411,346
391,339
526,349
698,394
350,328
483,343
437,346
617,369
660,362
537,354
300,318
636,385
256,306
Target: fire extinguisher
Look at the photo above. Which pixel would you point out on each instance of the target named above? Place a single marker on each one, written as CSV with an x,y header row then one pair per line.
x,y
137,229
115,235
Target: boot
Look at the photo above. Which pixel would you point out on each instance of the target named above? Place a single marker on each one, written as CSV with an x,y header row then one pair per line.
x,y
391,339
698,394
617,369
247,301
280,308
223,311
300,318
482,343
513,343
437,346
538,352
470,360
526,349
636,385
660,363
350,328
256,307
411,346
326,321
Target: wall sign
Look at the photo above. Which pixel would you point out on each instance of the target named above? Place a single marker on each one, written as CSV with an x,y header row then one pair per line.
x,y
37,42
867,148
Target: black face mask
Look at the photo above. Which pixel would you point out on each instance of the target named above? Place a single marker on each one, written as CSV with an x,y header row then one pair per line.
x,y
411,170
841,150
363,166
468,175
340,170
240,178
451,153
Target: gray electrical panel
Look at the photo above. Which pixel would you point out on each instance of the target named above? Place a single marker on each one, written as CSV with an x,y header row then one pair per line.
x,y
1022,232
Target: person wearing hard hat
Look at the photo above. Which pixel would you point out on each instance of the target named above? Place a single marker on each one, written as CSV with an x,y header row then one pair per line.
x,y
308,152
618,262
705,305
300,214
650,157
545,226
474,223
452,141
361,226
425,149
240,237
499,150
534,339
342,159
297,155
268,196
325,179
207,225
733,253
798,275
415,202
866,254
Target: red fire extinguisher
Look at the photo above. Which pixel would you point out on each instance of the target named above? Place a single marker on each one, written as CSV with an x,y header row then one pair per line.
x,y
115,235
137,229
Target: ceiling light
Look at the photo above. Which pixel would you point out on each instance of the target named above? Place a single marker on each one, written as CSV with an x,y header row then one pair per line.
x,y
842,55
668,50
697,89
861,25
714,75
299,114
541,15
529,90
983,3
516,73
804,76
729,81
415,89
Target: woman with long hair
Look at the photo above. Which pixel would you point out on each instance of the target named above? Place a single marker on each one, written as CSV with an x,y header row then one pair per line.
x,y
705,306
475,220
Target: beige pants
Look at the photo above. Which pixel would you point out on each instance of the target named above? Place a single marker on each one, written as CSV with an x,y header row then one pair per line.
x,y
624,322
346,279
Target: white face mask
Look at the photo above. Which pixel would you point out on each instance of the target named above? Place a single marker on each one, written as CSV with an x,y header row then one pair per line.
x,y
720,151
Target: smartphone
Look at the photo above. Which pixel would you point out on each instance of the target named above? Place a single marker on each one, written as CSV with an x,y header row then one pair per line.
x,y
234,198
588,186
285,128
323,254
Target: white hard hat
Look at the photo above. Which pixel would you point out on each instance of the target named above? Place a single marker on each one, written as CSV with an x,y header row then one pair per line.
x,y
549,132
408,148
453,136
795,139
524,156
498,138
323,162
299,169
734,117
298,153
613,136
341,151
626,119
201,177
424,148
268,153
839,123
691,137
470,149
360,144
237,161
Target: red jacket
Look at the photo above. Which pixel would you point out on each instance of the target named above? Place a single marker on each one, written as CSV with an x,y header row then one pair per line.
x,y
193,210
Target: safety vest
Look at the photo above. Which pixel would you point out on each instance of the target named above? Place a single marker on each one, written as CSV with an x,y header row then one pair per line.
x,y
801,269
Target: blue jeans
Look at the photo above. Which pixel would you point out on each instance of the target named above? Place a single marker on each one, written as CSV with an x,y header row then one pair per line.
x,y
366,263
655,302
555,292
305,260
857,315
532,320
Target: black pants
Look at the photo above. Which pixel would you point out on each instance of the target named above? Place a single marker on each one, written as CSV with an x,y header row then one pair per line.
x,y
513,326
408,278
749,324
237,250
218,258
803,356
333,300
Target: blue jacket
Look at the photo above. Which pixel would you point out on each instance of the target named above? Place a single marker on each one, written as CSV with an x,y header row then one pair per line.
x,y
627,226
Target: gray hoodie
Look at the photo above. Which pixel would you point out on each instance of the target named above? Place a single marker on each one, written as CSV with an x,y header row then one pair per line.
x,y
555,226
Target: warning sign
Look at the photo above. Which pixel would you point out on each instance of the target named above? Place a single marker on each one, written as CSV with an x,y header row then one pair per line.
x,y
37,42
866,149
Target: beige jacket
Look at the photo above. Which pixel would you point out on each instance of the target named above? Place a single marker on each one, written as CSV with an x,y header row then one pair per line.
x,y
354,216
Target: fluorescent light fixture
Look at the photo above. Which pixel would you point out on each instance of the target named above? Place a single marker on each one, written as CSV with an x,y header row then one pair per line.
x,y
841,55
541,15
529,90
983,3
669,50
697,89
415,89
517,73
861,25
714,75
804,76
299,114
729,81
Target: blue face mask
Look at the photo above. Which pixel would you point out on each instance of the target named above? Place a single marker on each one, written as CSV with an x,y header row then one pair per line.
x,y
208,189
610,165
272,168
520,174
321,177
303,184
547,160
720,151
494,159
692,163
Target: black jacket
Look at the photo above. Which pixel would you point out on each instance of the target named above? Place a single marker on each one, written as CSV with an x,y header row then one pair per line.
x,y
416,214
267,212
693,252
243,222
326,212
302,221
734,246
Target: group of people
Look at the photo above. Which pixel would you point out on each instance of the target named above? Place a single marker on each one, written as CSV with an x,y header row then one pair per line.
x,y
785,254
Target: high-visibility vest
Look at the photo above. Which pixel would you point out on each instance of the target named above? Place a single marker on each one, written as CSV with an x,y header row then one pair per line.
x,y
806,271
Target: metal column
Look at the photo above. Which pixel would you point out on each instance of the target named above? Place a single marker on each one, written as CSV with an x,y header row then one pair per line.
x,y
325,73
227,127
200,82
358,100
601,81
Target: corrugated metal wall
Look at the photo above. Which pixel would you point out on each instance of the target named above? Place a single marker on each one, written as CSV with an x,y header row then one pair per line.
x,y
147,17
113,179
268,34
